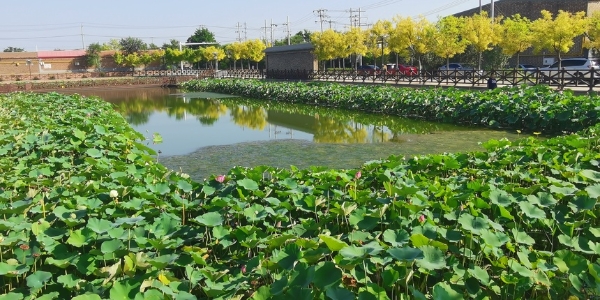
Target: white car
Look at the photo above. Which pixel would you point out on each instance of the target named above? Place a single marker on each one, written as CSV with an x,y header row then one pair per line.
x,y
575,68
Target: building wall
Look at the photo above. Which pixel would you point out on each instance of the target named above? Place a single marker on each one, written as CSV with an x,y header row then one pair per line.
x,y
292,60
532,10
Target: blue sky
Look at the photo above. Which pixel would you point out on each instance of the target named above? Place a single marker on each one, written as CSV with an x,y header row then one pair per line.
x,y
60,24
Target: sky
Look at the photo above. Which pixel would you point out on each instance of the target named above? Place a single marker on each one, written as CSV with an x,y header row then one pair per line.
x,y
38,25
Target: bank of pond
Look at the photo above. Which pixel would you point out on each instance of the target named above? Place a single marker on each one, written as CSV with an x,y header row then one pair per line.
x,y
88,213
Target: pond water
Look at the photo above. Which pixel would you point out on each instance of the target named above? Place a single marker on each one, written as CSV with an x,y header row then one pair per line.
x,y
205,133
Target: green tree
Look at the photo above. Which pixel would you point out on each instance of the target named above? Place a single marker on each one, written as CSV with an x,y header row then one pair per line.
x,y
557,34
130,45
482,32
298,38
112,44
515,35
592,35
14,49
201,35
172,44
173,56
327,44
446,39
93,56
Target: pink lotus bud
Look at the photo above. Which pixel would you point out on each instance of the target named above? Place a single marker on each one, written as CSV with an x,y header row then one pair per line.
x,y
220,178
357,175
243,268
422,218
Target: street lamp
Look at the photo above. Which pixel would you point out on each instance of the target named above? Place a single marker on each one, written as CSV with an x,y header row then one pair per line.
x,y
382,45
216,56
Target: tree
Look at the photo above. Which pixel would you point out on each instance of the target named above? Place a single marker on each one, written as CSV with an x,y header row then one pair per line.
x,y
298,38
327,44
130,45
515,35
173,44
173,56
482,32
446,39
201,35
355,40
14,49
235,51
93,57
211,53
592,35
557,34
377,38
411,35
113,44
254,50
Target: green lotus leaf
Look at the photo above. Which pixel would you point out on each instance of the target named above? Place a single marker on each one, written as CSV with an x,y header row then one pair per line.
x,y
372,292
248,184
473,224
396,238
501,198
14,296
532,211
68,280
567,261
99,226
339,293
263,293
522,237
210,219
125,289
444,291
480,274
93,152
433,258
494,239
332,243
111,246
38,279
591,175
405,254
327,275
185,186
583,203
542,199
80,237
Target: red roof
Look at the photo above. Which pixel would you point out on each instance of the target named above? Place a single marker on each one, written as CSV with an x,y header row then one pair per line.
x,y
61,54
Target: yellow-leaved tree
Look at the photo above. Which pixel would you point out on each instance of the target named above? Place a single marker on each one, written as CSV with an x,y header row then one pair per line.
x,y
235,51
378,39
515,35
213,54
446,39
173,56
327,45
558,34
254,50
409,37
482,32
355,41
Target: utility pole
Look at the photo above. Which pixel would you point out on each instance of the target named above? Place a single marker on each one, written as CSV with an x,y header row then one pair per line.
x,y
239,32
245,32
265,28
322,16
492,13
272,42
82,42
480,7
287,25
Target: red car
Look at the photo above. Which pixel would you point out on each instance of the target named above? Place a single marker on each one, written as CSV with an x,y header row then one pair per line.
x,y
393,69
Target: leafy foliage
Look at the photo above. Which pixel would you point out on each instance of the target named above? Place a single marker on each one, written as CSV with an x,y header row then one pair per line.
x,y
88,214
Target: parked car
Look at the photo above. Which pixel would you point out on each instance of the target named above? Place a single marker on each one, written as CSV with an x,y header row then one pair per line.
x,y
393,69
575,68
367,70
459,69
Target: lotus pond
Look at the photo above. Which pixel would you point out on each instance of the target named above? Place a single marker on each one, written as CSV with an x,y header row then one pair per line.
x,y
87,213
206,133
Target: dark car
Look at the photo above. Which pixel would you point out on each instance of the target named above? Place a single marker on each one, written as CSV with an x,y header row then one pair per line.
x,y
367,70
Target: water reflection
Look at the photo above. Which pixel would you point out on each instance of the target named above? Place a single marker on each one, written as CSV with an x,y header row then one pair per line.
x,y
189,121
